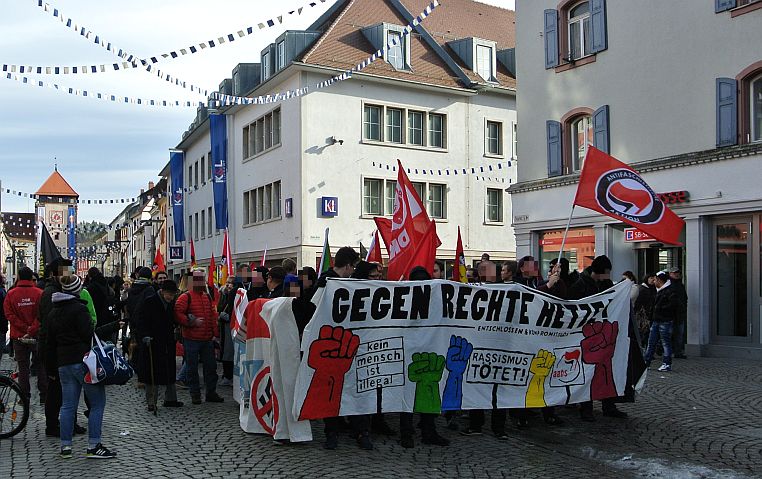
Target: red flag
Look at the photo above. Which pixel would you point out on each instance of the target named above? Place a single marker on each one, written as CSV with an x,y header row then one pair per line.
x,y
459,268
425,252
374,252
613,188
192,254
158,263
406,231
211,276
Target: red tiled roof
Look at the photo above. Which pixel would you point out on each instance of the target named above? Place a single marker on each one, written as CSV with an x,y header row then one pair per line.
x,y
343,45
56,185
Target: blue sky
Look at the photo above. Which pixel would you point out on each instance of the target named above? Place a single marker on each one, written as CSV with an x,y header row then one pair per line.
x,y
110,150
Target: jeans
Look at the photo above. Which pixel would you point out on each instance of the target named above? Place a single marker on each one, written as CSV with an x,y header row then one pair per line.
x,y
204,350
72,381
660,330
23,353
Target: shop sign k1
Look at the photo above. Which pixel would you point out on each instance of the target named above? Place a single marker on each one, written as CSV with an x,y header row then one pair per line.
x,y
329,206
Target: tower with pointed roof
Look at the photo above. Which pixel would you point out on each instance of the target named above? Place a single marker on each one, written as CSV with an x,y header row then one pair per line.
x,y
57,207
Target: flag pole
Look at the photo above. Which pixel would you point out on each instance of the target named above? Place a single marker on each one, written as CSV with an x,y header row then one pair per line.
x,y
566,232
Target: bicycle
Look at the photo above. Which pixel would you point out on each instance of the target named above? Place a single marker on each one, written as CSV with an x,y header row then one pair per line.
x,y
14,405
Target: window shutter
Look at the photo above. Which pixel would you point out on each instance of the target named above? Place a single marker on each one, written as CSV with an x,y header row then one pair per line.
x,y
555,164
551,38
601,129
727,112
723,5
598,25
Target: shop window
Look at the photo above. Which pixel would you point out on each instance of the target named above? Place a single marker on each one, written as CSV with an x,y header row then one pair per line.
x,y
579,248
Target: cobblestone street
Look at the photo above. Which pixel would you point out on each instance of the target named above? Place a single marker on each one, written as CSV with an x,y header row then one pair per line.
x,y
700,421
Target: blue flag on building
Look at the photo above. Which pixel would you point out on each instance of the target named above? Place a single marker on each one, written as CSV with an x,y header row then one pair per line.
x,y
72,236
176,160
219,159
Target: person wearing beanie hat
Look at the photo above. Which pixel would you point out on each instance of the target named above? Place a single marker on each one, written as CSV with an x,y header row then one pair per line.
x,y
70,331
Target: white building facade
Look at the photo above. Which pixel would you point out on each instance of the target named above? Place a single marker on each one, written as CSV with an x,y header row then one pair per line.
x,y
442,103
668,88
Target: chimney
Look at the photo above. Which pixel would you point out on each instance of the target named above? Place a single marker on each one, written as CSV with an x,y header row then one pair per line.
x,y
150,185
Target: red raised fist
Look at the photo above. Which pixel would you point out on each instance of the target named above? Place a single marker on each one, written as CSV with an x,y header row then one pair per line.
x,y
598,348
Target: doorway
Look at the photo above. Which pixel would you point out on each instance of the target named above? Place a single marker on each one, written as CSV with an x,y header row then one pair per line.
x,y
733,280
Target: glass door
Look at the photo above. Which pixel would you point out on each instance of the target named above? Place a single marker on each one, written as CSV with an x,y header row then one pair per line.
x,y
733,280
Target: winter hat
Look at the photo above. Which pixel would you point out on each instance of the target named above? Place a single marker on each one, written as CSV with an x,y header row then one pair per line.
x,y
144,272
71,285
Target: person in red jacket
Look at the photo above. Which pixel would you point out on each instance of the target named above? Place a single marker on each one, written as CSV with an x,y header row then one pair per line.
x,y
195,311
20,307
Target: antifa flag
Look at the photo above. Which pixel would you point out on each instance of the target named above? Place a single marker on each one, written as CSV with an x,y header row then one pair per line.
x,y
408,231
608,186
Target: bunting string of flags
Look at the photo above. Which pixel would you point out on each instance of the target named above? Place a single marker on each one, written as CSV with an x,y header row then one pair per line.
x,y
133,61
476,171
217,99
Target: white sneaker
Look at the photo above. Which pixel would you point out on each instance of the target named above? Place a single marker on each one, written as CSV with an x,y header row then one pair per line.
x,y
665,368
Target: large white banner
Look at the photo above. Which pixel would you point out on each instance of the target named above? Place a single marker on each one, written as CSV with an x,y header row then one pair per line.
x,y
432,346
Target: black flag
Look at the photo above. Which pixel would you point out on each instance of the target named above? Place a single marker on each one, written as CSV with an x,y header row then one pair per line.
x,y
363,251
48,249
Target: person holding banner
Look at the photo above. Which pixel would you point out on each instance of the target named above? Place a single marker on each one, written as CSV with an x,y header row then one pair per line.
x,y
595,279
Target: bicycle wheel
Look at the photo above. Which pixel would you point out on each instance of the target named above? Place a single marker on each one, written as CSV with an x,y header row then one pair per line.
x,y
14,408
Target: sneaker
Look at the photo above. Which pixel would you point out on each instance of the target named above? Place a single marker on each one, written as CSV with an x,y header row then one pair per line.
x,y
363,441
181,384
100,452
173,404
435,439
66,452
225,382
214,397
665,368
331,442
471,432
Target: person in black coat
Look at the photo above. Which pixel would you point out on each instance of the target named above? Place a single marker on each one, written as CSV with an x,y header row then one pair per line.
x,y
595,279
154,330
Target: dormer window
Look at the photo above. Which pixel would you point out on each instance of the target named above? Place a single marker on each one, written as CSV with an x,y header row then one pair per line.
x,y
265,65
396,53
392,40
485,67
281,55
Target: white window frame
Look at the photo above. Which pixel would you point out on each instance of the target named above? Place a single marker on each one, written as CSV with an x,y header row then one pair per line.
x,y
411,130
202,233
210,221
266,65
755,117
443,131
515,141
281,54
488,139
488,74
583,39
403,48
263,204
383,127
265,130
367,196
430,201
576,159
500,207
389,127
367,123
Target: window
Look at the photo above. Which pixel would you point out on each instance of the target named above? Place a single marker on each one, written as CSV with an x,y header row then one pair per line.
x,y
494,140
262,204
209,166
437,200
581,134
371,196
266,66
484,65
390,195
195,226
262,134
420,188
190,226
190,175
203,167
210,228
203,224
574,34
756,108
436,130
415,127
394,125
395,55
372,122
515,140
281,55
494,205
580,38
195,174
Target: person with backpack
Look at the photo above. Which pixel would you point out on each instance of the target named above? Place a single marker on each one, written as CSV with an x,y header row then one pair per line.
x,y
195,311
